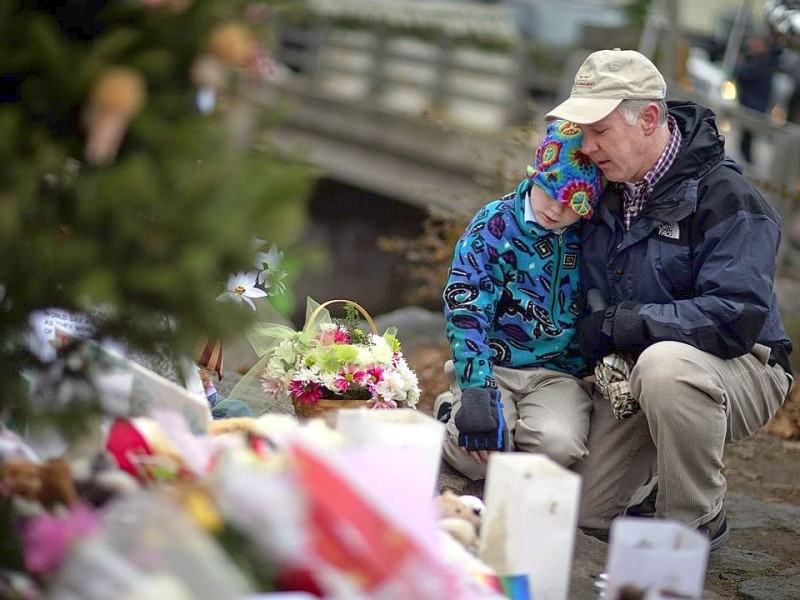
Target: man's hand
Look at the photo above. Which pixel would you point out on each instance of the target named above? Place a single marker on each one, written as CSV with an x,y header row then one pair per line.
x,y
593,335
480,422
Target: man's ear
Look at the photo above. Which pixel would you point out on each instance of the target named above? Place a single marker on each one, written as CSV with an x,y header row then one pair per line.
x,y
649,118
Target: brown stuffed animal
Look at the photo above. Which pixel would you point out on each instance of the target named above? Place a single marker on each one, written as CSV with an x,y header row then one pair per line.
x,y
49,483
247,425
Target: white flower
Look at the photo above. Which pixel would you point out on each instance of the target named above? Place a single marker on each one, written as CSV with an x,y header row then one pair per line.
x,y
392,387
307,374
406,372
270,275
400,383
328,380
270,260
412,393
241,288
381,351
279,369
365,357
287,352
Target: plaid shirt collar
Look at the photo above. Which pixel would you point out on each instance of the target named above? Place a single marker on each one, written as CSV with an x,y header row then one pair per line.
x,y
635,195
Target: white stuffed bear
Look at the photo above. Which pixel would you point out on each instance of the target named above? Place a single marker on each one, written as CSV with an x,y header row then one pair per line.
x,y
460,516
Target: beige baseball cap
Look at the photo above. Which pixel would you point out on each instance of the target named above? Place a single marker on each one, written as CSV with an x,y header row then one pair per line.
x,y
606,78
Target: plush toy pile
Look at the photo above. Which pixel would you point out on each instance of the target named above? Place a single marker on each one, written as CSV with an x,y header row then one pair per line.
x,y
250,505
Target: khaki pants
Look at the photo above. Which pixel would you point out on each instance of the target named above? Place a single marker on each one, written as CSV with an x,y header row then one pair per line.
x,y
693,403
545,411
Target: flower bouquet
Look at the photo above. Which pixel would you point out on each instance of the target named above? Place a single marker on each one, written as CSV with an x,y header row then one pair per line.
x,y
334,363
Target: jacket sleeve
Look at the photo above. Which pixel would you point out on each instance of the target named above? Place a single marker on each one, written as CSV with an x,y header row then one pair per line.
x,y
734,262
471,297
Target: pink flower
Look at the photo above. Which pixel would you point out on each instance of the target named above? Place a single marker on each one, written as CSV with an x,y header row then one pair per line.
x,y
333,336
46,537
374,375
306,392
272,385
349,375
380,402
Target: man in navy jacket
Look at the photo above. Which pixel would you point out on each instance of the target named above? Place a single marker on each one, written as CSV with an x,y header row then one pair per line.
x,y
682,249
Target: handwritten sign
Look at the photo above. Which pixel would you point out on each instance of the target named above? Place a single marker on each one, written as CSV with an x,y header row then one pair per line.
x,y
54,328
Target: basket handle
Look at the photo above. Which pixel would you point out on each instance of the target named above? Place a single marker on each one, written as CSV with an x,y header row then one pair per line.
x,y
360,309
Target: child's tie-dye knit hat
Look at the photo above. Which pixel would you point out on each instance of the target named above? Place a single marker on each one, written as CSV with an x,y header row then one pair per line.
x,y
563,171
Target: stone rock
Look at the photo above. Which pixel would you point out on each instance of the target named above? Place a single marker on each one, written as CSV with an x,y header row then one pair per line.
x,y
589,559
748,561
783,586
415,325
749,513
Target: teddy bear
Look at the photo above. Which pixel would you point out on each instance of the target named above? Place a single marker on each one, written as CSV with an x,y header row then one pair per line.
x,y
48,483
460,516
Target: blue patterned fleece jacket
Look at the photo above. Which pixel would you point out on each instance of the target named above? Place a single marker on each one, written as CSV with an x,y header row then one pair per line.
x,y
513,294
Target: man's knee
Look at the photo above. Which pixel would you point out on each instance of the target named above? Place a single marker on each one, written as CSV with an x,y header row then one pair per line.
x,y
670,378
658,368
659,360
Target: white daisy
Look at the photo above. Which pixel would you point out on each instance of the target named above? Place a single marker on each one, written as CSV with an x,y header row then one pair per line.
x,y
241,288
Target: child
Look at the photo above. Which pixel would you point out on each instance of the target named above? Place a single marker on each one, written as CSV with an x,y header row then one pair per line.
x,y
511,304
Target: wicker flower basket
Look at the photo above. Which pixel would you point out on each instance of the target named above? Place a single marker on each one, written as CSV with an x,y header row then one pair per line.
x,y
325,405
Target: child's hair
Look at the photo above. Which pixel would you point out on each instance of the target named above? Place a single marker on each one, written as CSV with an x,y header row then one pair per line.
x,y
564,172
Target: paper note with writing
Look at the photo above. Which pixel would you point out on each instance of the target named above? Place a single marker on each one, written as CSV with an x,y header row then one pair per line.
x,y
655,556
128,387
54,327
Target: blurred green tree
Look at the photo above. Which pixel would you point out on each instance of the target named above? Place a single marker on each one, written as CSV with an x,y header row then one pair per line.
x,y
129,184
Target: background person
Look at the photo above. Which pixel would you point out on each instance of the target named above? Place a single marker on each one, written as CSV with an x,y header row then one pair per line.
x,y
753,74
683,250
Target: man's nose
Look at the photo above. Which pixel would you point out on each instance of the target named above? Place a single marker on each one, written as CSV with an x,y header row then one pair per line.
x,y
588,145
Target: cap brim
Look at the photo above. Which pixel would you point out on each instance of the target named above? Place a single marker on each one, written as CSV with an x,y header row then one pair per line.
x,y
584,111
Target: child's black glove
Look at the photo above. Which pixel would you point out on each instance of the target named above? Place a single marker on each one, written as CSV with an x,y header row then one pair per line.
x,y
480,421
